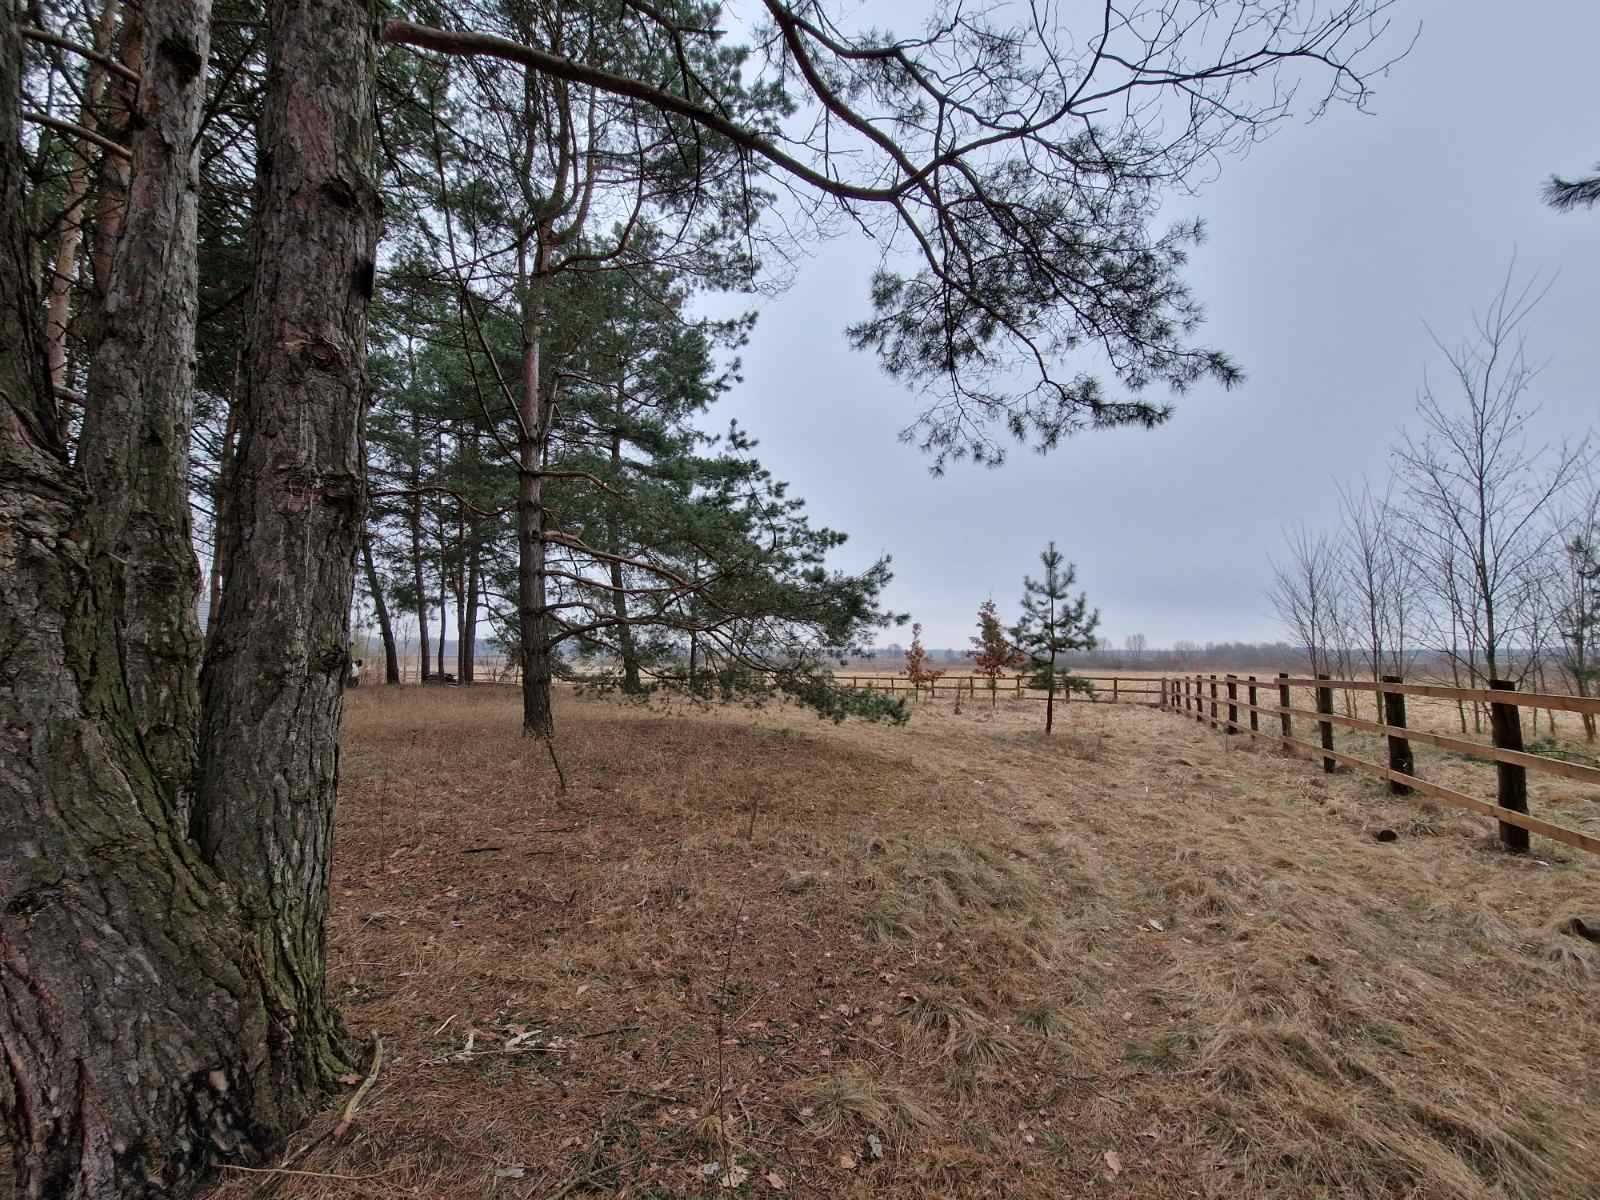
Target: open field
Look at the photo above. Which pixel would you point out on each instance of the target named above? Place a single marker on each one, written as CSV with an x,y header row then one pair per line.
x,y
1136,959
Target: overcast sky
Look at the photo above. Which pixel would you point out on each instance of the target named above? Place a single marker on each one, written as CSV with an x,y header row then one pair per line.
x,y
1330,247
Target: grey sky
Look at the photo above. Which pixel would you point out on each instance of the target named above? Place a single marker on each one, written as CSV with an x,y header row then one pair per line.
x,y
1330,246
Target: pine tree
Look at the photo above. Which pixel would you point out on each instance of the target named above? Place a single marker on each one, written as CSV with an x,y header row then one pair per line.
x,y
992,653
1053,624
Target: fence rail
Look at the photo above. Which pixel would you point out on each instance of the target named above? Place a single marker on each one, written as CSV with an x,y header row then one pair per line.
x,y
1016,688
1198,697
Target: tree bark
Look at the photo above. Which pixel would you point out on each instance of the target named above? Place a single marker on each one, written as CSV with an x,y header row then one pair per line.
x,y
467,634
136,426
1050,696
273,676
444,577
59,307
417,582
619,598
134,1012
111,193
538,718
391,656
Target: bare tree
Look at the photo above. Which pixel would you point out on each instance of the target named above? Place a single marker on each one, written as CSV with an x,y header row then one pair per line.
x,y
1576,599
1135,644
1481,490
1307,593
1378,583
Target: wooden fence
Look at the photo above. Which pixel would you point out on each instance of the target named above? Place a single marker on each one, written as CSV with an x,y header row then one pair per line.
x,y
1205,697
1113,689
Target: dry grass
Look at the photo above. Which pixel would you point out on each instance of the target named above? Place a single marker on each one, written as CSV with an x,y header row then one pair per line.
x,y
998,955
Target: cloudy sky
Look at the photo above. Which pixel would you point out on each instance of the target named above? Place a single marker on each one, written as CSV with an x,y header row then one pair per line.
x,y
1333,247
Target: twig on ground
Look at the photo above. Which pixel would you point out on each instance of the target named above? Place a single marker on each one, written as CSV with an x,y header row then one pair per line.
x,y
348,1116
550,745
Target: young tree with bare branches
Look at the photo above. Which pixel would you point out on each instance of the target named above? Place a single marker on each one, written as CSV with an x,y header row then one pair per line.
x,y
1308,594
1482,490
1377,582
1575,595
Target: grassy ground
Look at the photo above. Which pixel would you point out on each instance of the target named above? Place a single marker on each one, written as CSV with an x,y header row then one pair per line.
x,y
951,960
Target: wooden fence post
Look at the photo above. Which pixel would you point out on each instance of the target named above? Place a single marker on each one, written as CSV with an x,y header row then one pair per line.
x,y
1285,721
1200,698
1213,702
1325,705
1394,716
1505,722
1255,717
1114,682
1233,704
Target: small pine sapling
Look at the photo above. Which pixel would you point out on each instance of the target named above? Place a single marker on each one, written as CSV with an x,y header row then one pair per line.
x,y
917,669
992,653
1053,624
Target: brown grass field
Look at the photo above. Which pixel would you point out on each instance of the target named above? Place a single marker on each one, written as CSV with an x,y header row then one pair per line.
x,y
954,959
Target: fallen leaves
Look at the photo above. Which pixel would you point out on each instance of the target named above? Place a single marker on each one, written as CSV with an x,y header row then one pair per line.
x,y
1113,1164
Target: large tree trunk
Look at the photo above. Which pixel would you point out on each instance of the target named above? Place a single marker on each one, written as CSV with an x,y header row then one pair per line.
x,y
274,674
134,1011
532,601
391,656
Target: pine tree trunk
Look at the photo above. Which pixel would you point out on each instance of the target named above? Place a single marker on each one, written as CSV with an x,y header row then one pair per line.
x,y
467,635
619,598
1050,696
148,1024
417,583
135,442
538,718
443,611
273,677
59,307
391,656
111,193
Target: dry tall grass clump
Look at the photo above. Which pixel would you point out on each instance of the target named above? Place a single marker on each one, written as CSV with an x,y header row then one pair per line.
x,y
952,960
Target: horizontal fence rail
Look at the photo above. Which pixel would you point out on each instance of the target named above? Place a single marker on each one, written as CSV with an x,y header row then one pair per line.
x,y
1198,697
1121,689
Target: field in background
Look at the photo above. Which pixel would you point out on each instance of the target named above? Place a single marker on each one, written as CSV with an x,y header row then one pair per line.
x,y
1137,959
